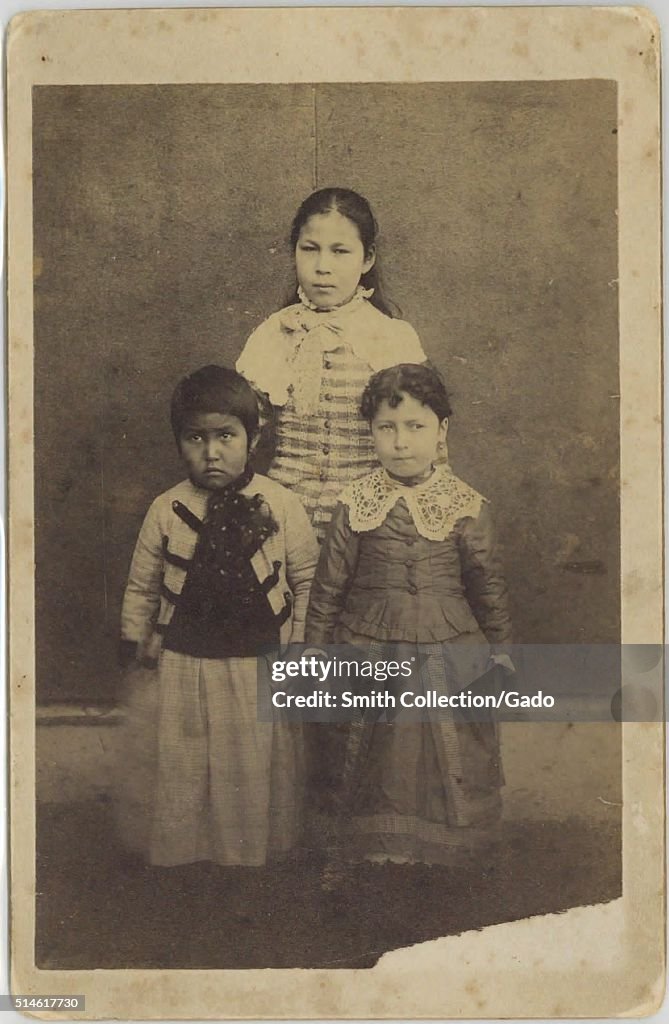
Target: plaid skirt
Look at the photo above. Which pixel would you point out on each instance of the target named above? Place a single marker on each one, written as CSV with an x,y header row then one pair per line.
x,y
199,777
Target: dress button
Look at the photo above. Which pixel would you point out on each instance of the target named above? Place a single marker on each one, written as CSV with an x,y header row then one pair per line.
x,y
326,449
409,562
322,475
410,541
328,397
327,424
412,589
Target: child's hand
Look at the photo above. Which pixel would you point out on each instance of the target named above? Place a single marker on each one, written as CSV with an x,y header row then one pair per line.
x,y
505,663
139,655
127,653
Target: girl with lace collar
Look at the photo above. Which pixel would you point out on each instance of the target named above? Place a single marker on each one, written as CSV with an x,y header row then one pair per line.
x,y
313,358
409,568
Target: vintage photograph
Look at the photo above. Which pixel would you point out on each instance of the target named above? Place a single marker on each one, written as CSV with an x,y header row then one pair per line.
x,y
323,363
316,241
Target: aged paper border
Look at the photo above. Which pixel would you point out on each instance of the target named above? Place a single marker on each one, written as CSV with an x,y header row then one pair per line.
x,y
594,961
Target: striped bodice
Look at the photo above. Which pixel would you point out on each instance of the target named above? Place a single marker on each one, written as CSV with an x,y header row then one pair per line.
x,y
318,454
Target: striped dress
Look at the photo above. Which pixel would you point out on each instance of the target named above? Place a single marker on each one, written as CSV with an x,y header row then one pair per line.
x,y
314,367
319,453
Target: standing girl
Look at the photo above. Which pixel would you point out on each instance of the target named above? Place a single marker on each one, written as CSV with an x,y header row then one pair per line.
x,y
409,568
222,566
314,357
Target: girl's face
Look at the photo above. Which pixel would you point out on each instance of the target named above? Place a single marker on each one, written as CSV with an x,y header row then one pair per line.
x,y
215,448
407,438
330,259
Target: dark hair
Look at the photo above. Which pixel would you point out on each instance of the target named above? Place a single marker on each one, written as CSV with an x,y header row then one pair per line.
x,y
356,208
421,381
214,389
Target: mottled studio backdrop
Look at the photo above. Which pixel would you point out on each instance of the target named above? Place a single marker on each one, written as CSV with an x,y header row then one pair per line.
x,y
161,216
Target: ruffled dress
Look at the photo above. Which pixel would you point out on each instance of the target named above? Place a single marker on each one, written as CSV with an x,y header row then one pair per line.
x,y
314,366
415,571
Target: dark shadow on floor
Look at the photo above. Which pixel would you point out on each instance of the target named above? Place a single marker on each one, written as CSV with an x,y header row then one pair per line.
x,y
94,911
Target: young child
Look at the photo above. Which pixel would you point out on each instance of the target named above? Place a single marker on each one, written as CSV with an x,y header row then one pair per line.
x,y
223,565
410,565
314,357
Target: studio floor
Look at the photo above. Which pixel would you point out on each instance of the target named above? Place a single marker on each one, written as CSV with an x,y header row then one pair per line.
x,y
96,910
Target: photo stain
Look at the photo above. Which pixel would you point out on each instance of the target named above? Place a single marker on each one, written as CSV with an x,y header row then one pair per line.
x,y
593,568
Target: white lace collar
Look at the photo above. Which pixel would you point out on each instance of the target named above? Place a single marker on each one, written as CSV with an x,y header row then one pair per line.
x,y
317,331
285,354
435,505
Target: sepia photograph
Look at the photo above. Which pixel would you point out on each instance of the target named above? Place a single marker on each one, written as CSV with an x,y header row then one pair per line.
x,y
335,364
